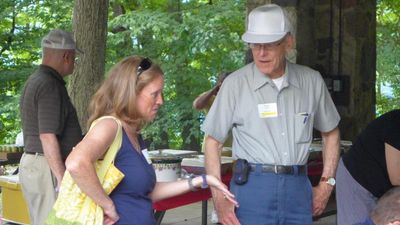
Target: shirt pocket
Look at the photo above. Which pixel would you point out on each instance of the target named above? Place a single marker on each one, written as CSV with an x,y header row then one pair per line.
x,y
303,127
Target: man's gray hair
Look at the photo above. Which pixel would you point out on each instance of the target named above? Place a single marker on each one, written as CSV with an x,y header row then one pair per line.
x,y
387,210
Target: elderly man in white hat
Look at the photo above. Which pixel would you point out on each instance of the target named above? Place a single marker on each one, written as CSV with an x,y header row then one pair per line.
x,y
272,106
50,125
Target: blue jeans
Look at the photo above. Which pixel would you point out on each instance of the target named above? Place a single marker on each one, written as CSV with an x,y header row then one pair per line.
x,y
274,199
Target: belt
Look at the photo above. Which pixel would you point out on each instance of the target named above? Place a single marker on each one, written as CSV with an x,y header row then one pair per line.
x,y
35,153
279,169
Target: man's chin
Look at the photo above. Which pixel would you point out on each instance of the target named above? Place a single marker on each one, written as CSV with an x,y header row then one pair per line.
x,y
265,71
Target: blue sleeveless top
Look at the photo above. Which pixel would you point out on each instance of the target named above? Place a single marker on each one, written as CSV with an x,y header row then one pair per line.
x,y
130,197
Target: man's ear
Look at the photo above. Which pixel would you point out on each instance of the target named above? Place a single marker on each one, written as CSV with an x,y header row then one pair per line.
x,y
66,56
289,42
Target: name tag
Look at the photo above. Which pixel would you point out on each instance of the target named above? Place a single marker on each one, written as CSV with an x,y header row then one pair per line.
x,y
267,110
146,155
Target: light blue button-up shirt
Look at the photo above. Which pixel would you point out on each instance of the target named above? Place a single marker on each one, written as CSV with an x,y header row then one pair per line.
x,y
280,136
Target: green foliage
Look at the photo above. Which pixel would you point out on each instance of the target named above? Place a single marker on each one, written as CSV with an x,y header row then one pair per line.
x,y
22,24
388,54
192,40
192,44
11,82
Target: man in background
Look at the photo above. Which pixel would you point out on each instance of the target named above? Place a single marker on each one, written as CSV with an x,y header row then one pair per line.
x,y
50,125
206,99
387,210
369,169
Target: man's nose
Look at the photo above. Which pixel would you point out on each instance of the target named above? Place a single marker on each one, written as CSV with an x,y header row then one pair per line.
x,y
263,51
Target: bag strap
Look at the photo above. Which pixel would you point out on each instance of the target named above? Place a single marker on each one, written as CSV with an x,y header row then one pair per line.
x,y
112,150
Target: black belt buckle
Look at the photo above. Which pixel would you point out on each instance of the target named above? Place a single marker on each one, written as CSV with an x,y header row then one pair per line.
x,y
284,170
280,169
276,169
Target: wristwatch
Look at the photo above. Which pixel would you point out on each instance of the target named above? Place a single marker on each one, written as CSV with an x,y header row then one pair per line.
x,y
329,180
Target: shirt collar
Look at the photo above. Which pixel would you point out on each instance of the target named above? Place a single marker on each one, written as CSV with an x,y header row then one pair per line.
x,y
52,72
292,78
261,79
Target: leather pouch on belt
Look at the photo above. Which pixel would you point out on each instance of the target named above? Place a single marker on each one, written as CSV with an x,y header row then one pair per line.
x,y
241,171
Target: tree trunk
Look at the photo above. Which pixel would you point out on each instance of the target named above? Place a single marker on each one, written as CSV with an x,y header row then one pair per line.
x,y
90,29
189,140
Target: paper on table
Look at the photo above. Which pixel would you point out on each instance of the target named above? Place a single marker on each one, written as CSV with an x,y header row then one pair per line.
x,y
172,152
315,147
199,161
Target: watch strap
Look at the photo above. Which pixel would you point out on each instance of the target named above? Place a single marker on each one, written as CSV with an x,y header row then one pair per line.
x,y
329,180
204,183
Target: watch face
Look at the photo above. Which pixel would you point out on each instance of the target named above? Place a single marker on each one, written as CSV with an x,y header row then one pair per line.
x,y
331,181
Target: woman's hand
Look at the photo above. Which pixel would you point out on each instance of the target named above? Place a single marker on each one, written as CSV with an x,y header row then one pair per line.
x,y
110,215
214,182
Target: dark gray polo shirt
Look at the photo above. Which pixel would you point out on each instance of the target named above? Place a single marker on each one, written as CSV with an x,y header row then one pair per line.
x,y
46,108
268,125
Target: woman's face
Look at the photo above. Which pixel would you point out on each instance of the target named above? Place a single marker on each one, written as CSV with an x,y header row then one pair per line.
x,y
150,99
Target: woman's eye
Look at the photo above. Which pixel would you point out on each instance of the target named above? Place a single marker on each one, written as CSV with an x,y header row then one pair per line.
x,y
154,95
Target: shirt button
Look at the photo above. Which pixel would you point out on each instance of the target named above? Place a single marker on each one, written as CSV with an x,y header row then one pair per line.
x,y
285,153
283,133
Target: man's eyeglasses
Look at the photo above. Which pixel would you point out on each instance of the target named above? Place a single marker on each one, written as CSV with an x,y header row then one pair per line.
x,y
144,65
76,59
267,46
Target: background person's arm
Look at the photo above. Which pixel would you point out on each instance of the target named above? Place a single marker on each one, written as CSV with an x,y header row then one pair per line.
x,y
393,164
203,100
331,154
52,153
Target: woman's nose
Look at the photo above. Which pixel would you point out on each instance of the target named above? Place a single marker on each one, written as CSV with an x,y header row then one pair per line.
x,y
160,99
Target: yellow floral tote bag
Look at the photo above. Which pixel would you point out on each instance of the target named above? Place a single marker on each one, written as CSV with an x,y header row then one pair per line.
x,y
73,207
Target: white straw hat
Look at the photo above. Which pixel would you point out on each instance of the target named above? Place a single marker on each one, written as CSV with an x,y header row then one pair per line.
x,y
266,24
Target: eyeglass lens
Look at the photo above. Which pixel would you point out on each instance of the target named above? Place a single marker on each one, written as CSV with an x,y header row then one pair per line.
x,y
268,46
265,46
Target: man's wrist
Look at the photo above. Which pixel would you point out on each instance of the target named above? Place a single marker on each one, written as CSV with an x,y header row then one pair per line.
x,y
328,180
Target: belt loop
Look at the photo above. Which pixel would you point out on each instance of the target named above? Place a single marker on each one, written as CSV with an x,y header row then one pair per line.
x,y
276,169
295,170
258,169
